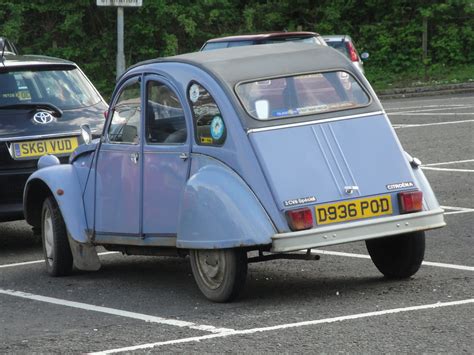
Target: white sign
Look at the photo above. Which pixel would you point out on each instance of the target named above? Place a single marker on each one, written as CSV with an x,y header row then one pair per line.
x,y
121,3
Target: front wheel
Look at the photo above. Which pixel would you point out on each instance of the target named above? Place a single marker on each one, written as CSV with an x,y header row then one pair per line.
x,y
398,257
220,274
57,253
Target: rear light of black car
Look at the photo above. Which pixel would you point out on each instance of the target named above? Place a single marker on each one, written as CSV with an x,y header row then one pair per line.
x,y
411,201
300,219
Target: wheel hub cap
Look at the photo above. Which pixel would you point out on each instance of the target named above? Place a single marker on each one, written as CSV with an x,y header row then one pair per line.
x,y
211,266
48,236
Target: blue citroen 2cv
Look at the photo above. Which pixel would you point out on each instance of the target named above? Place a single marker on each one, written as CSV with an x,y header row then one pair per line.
x,y
269,149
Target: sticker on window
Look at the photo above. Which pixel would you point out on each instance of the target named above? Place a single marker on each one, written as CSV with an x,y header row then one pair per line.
x,y
194,93
209,124
217,128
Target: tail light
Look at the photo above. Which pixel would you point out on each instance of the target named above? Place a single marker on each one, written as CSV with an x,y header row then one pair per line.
x,y
105,114
410,201
300,219
352,52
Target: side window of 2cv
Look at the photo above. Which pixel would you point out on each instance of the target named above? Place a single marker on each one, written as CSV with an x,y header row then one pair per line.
x,y
209,126
165,122
125,125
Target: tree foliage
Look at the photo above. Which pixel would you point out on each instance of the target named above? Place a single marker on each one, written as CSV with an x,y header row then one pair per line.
x,y
391,30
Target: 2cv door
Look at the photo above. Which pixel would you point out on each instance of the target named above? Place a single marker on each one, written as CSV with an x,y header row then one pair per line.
x,y
166,160
118,166
142,165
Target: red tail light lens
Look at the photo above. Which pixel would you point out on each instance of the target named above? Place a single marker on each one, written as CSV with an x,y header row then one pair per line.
x,y
410,201
300,219
352,52
105,114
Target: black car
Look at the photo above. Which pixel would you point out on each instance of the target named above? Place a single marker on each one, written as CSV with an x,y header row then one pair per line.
x,y
43,103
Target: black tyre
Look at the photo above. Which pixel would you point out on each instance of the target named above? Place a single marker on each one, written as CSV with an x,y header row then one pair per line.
x,y
220,274
57,253
398,257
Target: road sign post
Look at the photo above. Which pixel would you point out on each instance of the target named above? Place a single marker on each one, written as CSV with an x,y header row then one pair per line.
x,y
120,4
120,52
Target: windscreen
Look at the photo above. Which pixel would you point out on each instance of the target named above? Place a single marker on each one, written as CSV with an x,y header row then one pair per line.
x,y
299,95
66,88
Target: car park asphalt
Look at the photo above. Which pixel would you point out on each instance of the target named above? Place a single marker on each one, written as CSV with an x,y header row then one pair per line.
x,y
340,303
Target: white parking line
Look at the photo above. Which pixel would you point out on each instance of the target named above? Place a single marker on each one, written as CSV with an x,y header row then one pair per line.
x,y
401,125
448,169
450,162
21,264
438,100
423,107
116,312
431,113
328,252
438,108
365,256
42,261
289,325
457,210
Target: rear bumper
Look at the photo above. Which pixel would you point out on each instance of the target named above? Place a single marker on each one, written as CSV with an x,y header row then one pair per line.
x,y
357,231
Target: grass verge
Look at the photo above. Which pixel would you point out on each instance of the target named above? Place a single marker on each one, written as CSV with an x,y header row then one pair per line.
x,y
382,79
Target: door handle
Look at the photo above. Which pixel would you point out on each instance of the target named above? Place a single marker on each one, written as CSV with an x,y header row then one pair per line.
x,y
184,156
134,157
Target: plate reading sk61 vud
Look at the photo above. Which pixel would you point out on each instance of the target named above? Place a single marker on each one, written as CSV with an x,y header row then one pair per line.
x,y
39,148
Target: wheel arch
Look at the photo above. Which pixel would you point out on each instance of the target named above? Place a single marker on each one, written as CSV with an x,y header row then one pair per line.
x,y
61,182
219,210
36,191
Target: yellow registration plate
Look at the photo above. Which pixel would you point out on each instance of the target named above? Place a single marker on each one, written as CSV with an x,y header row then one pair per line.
x,y
354,209
50,146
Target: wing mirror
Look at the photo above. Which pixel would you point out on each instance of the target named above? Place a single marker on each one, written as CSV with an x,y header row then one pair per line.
x,y
261,106
86,133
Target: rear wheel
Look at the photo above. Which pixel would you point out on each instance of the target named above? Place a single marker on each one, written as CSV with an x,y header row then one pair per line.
x,y
57,253
220,274
398,257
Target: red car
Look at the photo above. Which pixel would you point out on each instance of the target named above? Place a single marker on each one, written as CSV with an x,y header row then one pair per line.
x,y
263,38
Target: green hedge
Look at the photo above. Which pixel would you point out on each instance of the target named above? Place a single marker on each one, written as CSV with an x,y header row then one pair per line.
x,y
391,31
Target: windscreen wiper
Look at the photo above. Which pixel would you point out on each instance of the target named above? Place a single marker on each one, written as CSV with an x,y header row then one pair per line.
x,y
38,105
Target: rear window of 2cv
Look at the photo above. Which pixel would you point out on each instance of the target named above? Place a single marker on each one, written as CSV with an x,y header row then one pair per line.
x,y
298,95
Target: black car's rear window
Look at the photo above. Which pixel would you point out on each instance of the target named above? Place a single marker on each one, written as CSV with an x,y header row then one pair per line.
x,y
312,40
340,46
226,44
298,95
66,88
